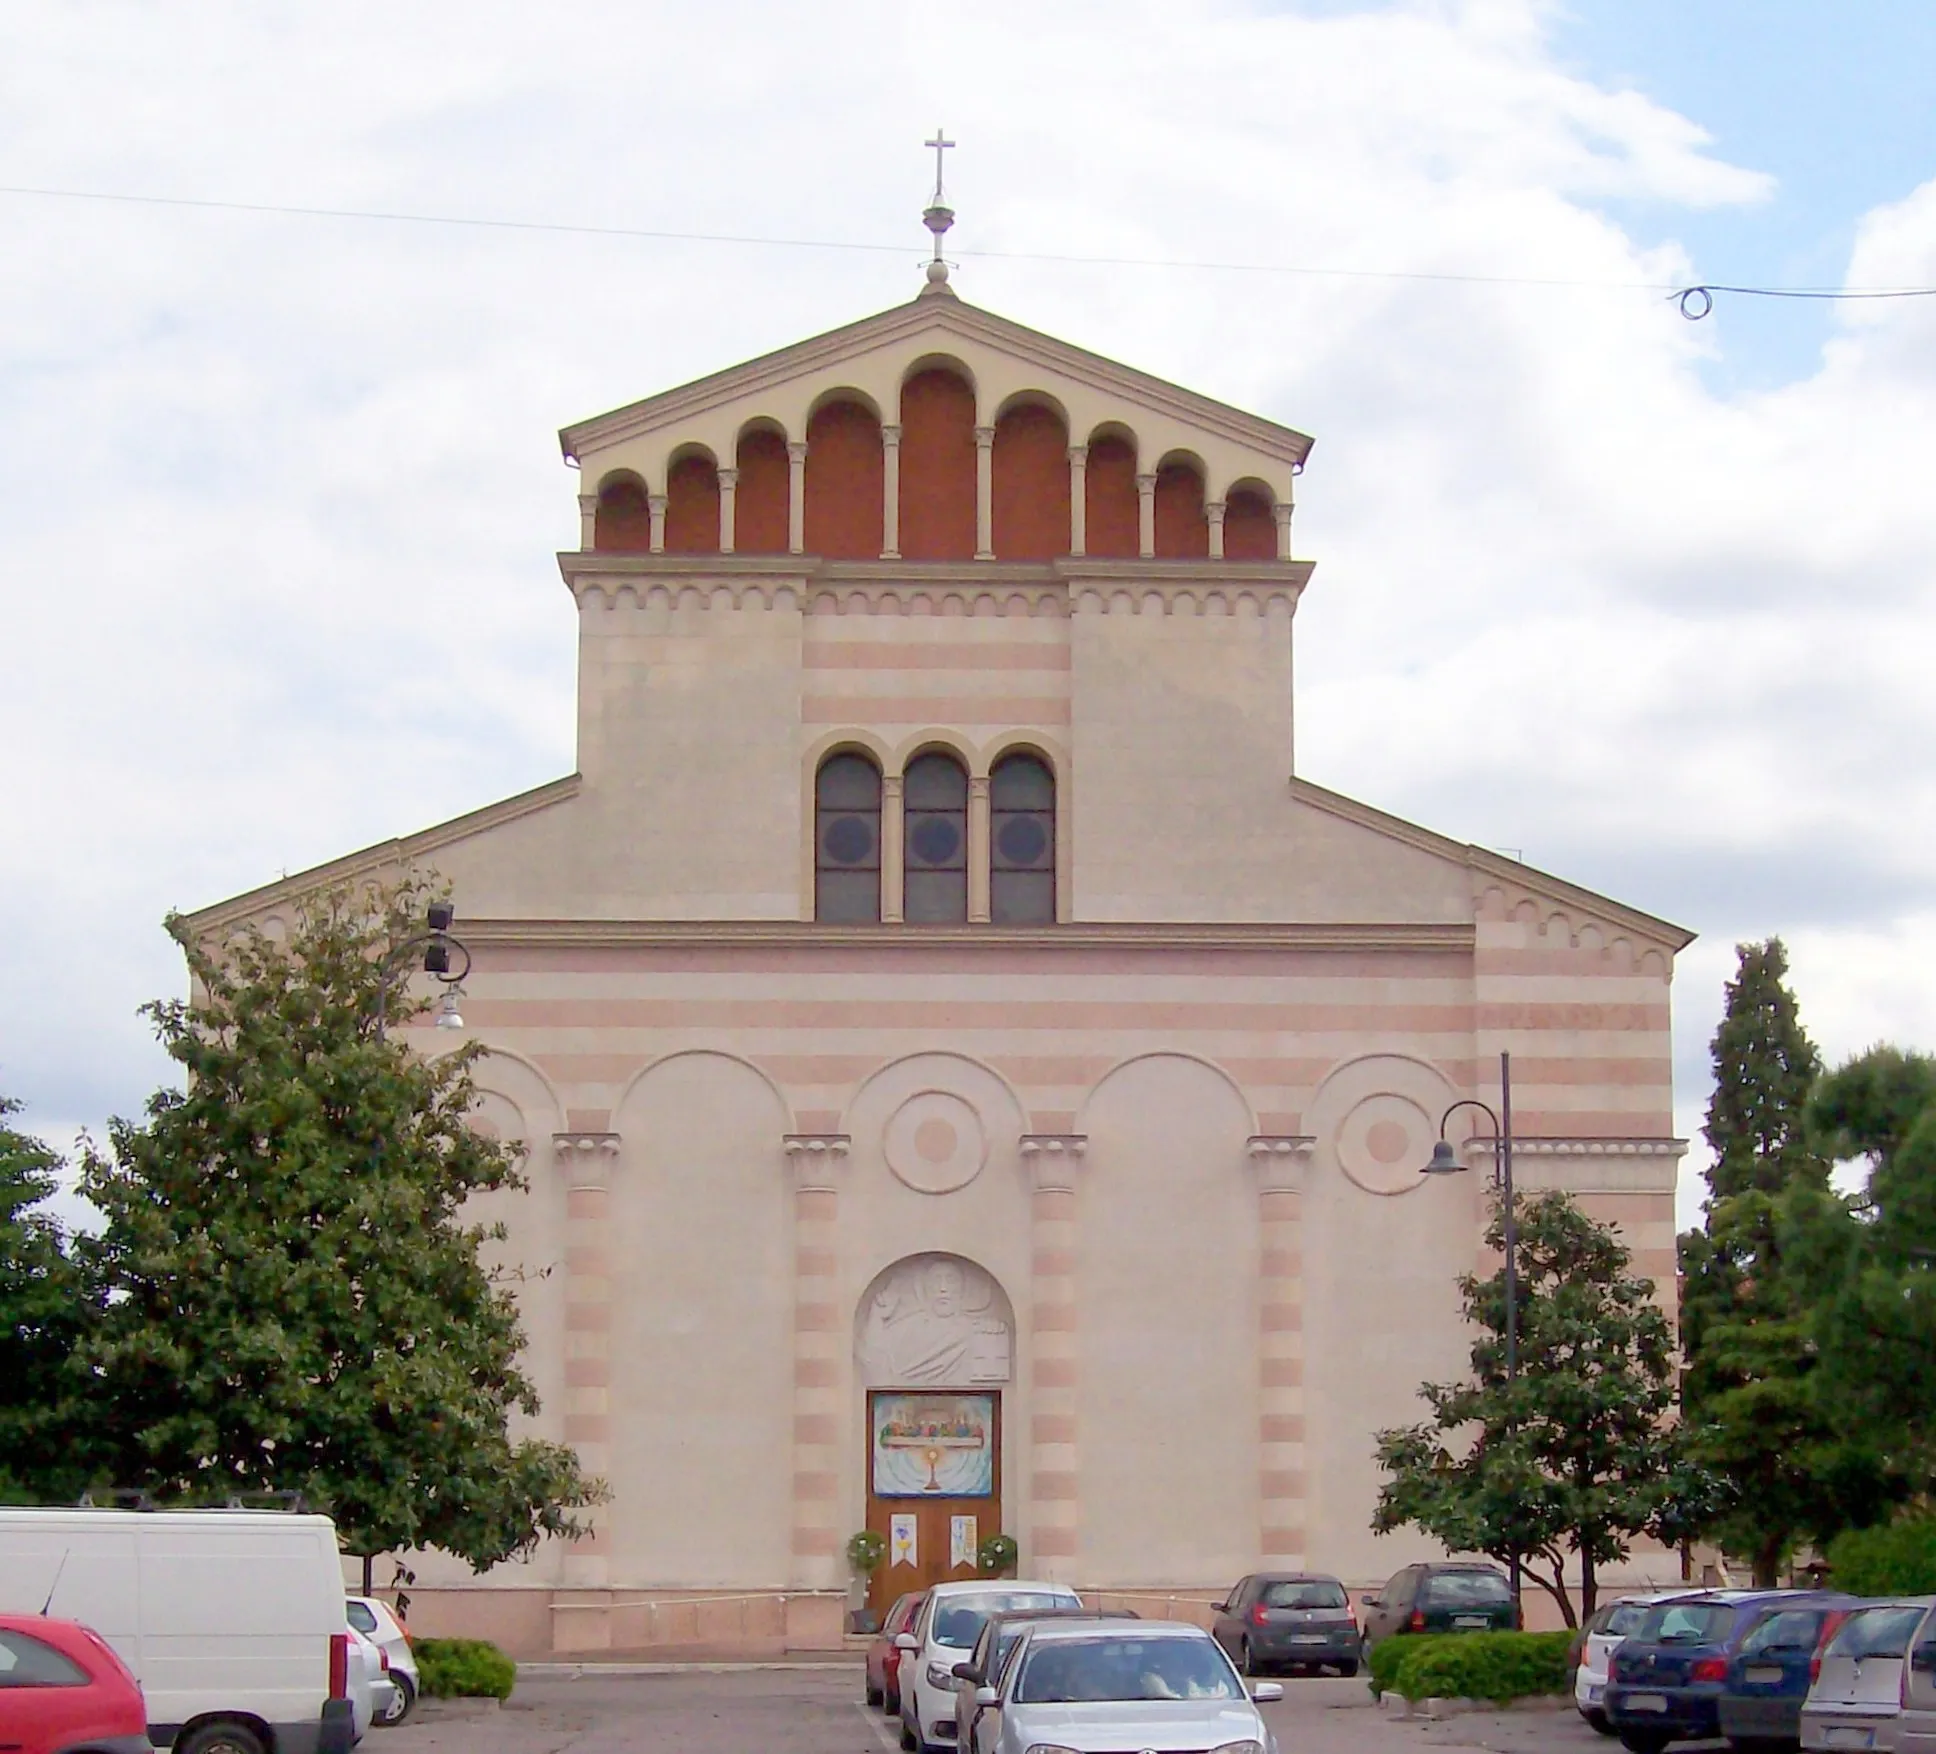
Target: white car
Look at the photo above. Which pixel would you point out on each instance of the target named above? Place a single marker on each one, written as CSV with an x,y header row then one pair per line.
x,y
370,1688
944,1634
1604,1633
1856,1696
1078,1686
378,1622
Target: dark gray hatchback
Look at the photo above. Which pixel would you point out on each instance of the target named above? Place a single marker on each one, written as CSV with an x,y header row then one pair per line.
x,y
1288,1619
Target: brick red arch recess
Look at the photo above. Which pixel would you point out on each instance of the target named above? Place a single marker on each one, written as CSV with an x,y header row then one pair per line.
x,y
937,467
623,522
1031,487
844,475
1110,516
760,500
1249,528
1182,531
692,507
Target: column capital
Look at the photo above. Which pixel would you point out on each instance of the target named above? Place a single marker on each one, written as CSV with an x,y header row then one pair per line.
x,y
1214,509
891,784
815,1158
1282,1160
1079,455
797,450
1051,1160
587,1159
655,503
1145,483
984,436
588,502
978,785
729,478
891,435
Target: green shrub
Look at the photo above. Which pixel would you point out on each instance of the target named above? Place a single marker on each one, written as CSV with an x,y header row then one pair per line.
x,y
463,1668
1484,1665
1391,1653
1897,1559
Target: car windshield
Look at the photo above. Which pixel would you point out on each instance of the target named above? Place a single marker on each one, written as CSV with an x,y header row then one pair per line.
x,y
1877,1632
1467,1589
1303,1593
1066,1671
1686,1623
1790,1629
958,1622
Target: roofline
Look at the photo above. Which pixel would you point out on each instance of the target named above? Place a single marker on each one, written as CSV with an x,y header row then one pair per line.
x,y
1478,858
396,851
687,399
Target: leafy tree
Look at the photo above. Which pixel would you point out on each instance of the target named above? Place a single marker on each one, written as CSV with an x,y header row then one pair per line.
x,y
1750,1406
296,1297
1869,1262
44,1306
1577,1454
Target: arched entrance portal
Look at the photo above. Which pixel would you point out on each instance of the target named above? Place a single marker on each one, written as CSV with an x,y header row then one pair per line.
x,y
934,1343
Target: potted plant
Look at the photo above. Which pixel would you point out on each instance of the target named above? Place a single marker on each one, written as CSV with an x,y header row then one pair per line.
x,y
866,1551
997,1555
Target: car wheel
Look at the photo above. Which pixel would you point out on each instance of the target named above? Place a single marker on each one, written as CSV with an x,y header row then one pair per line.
x,y
403,1702
1347,1670
1599,1720
874,1695
910,1743
1247,1662
222,1738
1644,1741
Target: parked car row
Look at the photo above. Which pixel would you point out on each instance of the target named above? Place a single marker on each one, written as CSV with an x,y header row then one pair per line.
x,y
1764,1669
202,1632
986,1668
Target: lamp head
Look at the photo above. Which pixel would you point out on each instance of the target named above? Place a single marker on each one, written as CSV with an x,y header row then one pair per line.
x,y
448,1016
440,914
1445,1160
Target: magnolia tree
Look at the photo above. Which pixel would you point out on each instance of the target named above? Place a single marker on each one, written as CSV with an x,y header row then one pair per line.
x,y
293,1293
1576,1453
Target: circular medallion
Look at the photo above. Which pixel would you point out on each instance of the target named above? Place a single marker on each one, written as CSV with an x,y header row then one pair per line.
x,y
934,1142
934,840
1384,1143
848,839
1022,840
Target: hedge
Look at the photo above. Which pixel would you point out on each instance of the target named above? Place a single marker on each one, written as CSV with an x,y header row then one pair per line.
x,y
1897,1559
463,1668
1473,1665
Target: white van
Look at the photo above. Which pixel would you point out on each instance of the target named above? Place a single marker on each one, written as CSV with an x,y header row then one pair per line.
x,y
232,1620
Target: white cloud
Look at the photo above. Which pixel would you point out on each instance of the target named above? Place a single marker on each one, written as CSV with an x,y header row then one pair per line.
x,y
278,496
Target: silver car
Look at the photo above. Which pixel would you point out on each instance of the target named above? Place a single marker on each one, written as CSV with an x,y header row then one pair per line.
x,y
1856,1696
1080,1686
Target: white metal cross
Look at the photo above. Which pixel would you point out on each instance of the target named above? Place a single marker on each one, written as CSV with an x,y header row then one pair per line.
x,y
941,143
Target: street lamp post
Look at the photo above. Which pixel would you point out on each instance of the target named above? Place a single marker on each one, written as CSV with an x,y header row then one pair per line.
x,y
436,943
1445,1161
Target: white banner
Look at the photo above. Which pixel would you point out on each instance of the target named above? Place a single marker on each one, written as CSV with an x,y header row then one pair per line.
x,y
901,1545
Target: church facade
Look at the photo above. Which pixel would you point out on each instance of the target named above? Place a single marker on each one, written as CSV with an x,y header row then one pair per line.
x,y
971,1084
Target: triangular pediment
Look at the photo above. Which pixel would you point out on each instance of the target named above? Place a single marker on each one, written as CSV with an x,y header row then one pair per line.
x,y
1004,360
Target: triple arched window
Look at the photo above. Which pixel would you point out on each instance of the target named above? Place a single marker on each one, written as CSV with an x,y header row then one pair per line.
x,y
939,858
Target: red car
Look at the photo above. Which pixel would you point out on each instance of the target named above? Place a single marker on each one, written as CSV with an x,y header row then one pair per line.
x,y
884,1661
62,1691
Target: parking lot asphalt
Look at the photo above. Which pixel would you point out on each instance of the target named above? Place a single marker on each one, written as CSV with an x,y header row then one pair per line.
x,y
817,1709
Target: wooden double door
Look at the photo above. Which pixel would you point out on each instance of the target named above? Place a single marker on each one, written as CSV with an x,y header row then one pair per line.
x,y
934,1485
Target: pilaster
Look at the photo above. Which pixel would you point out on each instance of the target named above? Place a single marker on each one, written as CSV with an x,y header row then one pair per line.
x,y
587,522
1281,1161
1282,512
1055,1480
586,1162
816,1160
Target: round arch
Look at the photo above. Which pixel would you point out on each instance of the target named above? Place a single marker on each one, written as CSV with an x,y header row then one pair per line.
x,y
1207,1064
651,1066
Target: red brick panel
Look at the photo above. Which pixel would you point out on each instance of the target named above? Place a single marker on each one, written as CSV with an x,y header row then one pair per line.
x,y
760,501
937,468
1182,531
844,475
1111,521
1249,527
1031,486
692,507
623,524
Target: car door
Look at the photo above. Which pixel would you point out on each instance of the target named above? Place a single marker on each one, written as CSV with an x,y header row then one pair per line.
x,y
1227,1627
1395,1602
1916,1729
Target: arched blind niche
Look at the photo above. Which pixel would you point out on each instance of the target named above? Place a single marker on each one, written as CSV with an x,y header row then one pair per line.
x,y
692,507
847,841
623,522
935,798
1021,841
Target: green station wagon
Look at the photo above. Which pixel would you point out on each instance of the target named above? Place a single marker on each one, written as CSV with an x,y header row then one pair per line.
x,y
1440,1598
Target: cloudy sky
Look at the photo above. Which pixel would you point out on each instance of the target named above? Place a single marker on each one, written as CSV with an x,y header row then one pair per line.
x,y
1644,600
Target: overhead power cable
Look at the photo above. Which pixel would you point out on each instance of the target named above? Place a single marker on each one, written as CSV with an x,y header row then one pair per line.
x,y
1695,302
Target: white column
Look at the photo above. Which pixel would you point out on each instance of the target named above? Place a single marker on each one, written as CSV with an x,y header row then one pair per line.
x,y
1146,516
796,496
978,850
818,1378
893,853
984,493
656,504
890,493
587,521
728,488
1214,509
586,1162
1282,512
1078,499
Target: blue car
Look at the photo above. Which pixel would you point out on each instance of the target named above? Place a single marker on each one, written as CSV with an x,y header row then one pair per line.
x,y
1768,1678
1667,1679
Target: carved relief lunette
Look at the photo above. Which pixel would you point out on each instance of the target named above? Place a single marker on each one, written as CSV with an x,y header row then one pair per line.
x,y
934,1320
